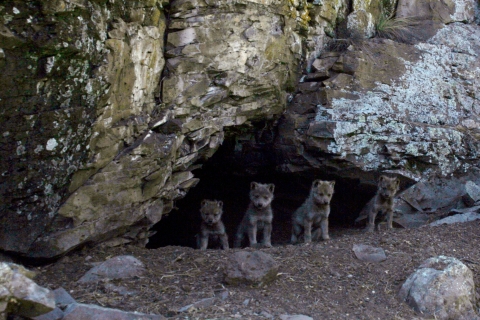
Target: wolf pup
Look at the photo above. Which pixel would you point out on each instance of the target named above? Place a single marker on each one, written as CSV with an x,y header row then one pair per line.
x,y
212,226
383,202
313,213
259,216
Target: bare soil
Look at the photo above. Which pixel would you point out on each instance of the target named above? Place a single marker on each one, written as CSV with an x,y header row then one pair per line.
x,y
323,280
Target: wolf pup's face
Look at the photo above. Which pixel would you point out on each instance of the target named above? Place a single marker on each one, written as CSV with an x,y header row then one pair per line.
x,y
261,194
211,211
322,191
388,187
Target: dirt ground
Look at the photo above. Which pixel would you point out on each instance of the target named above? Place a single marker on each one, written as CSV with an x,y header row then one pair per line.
x,y
323,280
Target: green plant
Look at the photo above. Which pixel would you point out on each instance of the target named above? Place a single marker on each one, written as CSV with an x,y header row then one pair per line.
x,y
399,29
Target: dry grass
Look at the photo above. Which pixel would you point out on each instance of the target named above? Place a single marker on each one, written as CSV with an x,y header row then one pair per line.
x,y
397,29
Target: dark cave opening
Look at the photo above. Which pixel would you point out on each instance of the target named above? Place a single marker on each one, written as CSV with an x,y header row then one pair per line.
x,y
225,180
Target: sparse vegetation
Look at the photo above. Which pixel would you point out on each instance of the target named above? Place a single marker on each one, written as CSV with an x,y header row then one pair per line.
x,y
389,26
398,29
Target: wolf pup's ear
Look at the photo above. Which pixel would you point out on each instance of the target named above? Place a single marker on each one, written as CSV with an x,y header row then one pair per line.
x,y
253,185
271,187
316,183
382,178
220,204
397,182
332,183
204,202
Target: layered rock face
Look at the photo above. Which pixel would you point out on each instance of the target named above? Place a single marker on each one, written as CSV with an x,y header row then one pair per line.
x,y
383,105
386,106
80,78
108,106
95,142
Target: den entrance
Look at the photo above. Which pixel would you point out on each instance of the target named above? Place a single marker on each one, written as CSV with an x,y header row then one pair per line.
x,y
221,180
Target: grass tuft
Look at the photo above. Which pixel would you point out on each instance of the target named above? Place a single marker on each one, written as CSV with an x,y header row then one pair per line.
x,y
397,29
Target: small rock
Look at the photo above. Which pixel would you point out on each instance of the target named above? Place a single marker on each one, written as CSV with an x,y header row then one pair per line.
x,y
222,294
79,311
204,303
62,298
250,268
472,195
442,287
200,260
246,302
295,317
368,253
121,290
119,267
335,273
266,315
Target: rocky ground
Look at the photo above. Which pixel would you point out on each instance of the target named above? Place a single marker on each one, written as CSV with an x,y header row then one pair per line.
x,y
324,280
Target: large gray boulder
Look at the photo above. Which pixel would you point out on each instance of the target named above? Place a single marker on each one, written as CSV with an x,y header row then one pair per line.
x,y
20,295
442,287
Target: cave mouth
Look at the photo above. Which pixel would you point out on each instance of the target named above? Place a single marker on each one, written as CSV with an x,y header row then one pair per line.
x,y
220,181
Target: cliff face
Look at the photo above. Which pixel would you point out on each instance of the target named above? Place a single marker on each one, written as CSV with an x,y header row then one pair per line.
x,y
107,106
78,87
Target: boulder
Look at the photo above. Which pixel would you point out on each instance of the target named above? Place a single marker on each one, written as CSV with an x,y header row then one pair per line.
x,y
20,295
119,267
255,268
442,287
62,300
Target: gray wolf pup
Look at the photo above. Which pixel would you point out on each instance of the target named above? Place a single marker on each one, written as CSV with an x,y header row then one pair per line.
x,y
383,202
258,217
212,226
312,216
